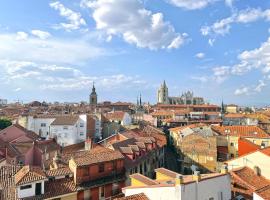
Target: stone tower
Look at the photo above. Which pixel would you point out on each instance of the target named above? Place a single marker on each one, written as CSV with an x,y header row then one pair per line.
x,y
163,94
93,96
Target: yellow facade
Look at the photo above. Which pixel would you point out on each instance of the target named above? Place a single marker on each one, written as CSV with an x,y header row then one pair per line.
x,y
231,109
162,177
135,182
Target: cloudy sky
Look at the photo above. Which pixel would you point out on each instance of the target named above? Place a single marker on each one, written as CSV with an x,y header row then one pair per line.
x,y
55,50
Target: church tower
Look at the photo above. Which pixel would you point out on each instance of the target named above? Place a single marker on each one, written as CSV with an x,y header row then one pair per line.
x,y
163,94
93,96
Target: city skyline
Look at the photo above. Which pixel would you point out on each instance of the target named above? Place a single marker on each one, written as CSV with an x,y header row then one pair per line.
x,y
54,50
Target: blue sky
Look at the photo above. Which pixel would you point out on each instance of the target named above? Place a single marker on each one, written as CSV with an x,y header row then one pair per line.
x,y
54,50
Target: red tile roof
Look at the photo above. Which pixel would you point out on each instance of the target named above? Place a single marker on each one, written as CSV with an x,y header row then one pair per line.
x,y
246,181
97,155
140,196
143,179
65,120
115,115
29,174
241,131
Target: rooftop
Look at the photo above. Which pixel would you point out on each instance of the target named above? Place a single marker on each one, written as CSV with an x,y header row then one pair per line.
x,y
97,155
29,174
241,131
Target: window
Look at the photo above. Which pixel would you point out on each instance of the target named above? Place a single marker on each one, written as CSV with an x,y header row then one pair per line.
x,y
65,127
81,125
212,198
101,168
25,187
115,189
43,124
81,134
232,144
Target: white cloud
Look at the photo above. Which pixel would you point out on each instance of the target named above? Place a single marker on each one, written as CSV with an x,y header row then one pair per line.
x,y
41,34
17,89
52,50
21,35
260,86
223,26
191,4
75,19
136,25
200,55
61,78
242,91
221,73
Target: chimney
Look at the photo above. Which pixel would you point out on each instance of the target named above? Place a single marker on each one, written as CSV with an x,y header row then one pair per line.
x,y
179,180
196,176
56,160
257,170
88,144
224,169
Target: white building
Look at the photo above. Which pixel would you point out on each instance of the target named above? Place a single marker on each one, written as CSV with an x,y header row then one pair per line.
x,y
174,186
40,124
69,130
120,117
29,182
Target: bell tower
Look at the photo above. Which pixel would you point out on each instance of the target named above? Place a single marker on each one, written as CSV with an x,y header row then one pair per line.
x,y
93,96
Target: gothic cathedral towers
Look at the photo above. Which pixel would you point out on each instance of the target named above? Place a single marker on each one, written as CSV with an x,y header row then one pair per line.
x,y
93,96
163,94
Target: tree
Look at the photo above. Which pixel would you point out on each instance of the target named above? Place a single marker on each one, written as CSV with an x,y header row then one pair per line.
x,y
4,123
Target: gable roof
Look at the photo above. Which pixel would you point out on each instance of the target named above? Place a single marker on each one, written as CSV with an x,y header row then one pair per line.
x,y
29,174
241,131
115,115
97,155
249,178
67,120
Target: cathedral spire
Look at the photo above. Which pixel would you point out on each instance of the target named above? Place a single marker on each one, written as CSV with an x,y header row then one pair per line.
x,y
140,99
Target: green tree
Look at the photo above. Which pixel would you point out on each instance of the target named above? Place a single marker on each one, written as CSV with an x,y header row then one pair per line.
x,y
4,123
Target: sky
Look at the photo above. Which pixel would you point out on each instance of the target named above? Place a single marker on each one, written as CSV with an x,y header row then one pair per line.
x,y
55,50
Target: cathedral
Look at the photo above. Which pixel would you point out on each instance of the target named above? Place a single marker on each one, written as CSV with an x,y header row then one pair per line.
x,y
93,96
186,98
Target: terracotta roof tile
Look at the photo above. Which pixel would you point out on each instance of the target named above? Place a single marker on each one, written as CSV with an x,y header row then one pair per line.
x,y
140,196
248,176
59,187
59,172
29,174
144,179
115,115
96,155
264,192
65,120
241,131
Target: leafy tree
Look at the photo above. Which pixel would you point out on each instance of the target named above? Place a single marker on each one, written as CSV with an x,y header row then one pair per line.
x,y
4,123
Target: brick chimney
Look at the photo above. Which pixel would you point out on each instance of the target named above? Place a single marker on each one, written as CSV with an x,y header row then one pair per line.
x,y
88,144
